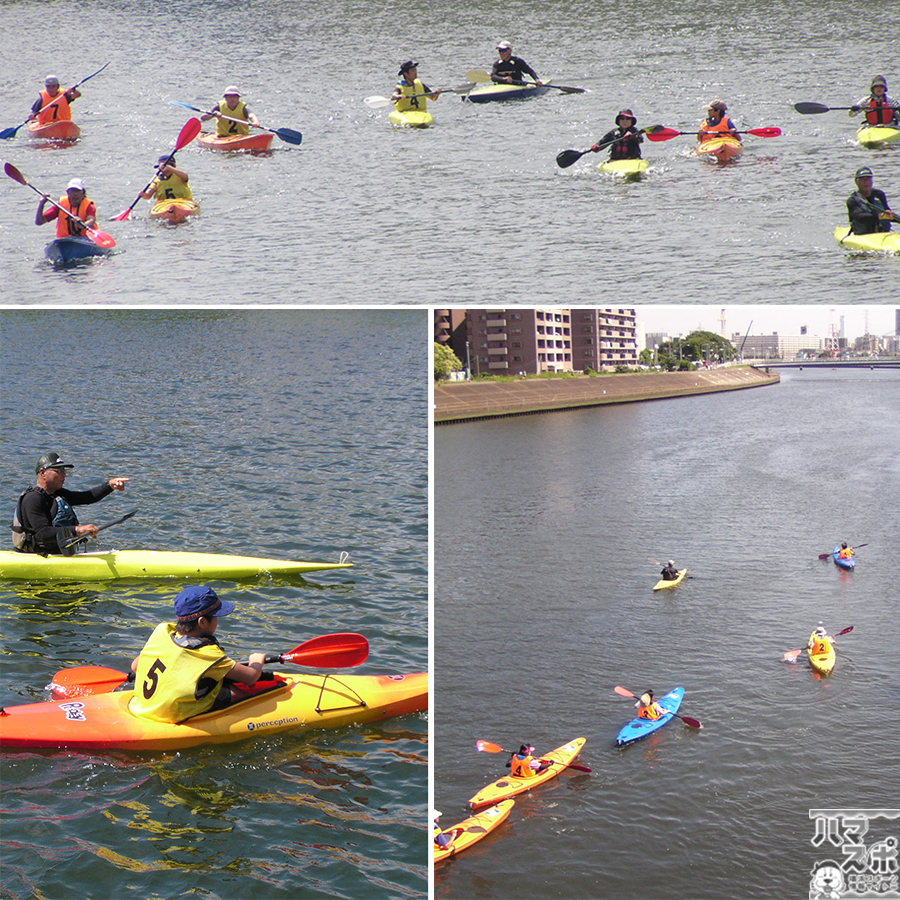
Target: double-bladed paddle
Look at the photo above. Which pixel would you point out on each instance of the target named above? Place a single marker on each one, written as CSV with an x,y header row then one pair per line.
x,y
488,747
666,134
694,723
330,651
11,132
791,655
288,135
828,555
479,76
100,238
377,102
189,131
566,158
84,537
812,109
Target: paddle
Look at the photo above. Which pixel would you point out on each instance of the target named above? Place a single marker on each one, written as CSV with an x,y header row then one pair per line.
x,y
828,555
84,537
190,130
668,133
100,238
565,158
812,109
488,747
791,655
325,652
11,132
377,102
288,135
694,723
479,76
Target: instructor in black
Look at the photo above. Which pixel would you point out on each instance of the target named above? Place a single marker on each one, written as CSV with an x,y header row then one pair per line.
x,y
510,69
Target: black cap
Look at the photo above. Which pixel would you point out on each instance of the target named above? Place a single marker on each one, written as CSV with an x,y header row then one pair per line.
x,y
409,64
51,461
864,172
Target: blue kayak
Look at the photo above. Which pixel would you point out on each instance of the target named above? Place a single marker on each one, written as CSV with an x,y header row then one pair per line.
x,y
65,251
842,563
640,728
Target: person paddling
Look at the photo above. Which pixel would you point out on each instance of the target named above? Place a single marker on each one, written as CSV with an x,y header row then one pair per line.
x,y
879,108
820,641
624,141
670,572
44,520
60,110
509,69
867,206
410,93
233,107
523,764
182,671
647,707
76,202
717,124
170,184
846,551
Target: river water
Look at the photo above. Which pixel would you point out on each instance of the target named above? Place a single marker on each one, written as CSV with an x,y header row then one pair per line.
x,y
546,528
286,433
473,210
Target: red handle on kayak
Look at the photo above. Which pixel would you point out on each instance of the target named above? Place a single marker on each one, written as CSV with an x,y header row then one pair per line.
x,y
488,747
693,723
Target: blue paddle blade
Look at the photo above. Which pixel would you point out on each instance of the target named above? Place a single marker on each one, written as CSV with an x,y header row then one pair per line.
x,y
289,135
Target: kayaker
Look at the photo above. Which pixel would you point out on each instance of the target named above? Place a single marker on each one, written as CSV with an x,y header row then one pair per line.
x,y
879,108
77,202
846,552
407,92
717,124
868,206
624,141
44,520
669,573
647,707
232,106
441,838
523,765
170,184
182,671
59,111
509,69
820,641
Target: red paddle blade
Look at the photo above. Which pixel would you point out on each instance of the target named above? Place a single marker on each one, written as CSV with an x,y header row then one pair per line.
x,y
665,134
14,173
791,655
623,692
82,681
189,131
122,216
330,651
764,132
694,723
488,747
845,631
100,238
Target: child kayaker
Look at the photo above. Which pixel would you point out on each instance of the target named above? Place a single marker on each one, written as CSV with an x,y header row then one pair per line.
x,y
669,573
523,765
846,551
878,107
182,671
410,92
717,124
441,838
624,141
648,708
820,641
170,184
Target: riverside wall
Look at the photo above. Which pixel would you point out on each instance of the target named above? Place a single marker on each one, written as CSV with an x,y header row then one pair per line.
x,y
464,401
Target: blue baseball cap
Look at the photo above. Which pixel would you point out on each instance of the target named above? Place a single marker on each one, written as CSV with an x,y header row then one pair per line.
x,y
200,600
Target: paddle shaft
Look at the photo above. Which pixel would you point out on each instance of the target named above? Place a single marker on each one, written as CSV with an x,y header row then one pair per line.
x,y
793,654
828,555
693,723
479,76
666,134
286,134
566,158
84,537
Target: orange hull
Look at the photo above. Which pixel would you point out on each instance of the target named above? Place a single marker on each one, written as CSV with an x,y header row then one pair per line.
x,y
55,131
720,149
174,210
236,142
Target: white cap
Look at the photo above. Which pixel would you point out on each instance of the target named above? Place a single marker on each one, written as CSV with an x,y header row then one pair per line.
x,y
504,45
51,79
435,814
231,89
76,183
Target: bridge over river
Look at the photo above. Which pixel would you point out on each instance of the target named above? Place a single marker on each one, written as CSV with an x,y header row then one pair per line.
x,y
893,363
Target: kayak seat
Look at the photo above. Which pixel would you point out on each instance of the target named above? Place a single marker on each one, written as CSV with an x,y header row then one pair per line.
x,y
268,682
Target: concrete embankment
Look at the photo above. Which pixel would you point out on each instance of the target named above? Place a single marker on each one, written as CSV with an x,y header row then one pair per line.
x,y
464,401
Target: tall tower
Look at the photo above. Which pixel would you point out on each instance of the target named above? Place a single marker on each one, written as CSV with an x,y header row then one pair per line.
x,y
722,323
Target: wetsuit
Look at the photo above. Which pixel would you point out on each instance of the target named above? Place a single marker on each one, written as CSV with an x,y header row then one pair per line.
x,y
514,66
38,509
864,219
627,143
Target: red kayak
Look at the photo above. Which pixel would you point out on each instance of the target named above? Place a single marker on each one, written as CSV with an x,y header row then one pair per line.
x,y
235,142
64,130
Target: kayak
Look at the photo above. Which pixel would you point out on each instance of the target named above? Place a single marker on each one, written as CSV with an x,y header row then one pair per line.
x,y
235,142
488,93
301,703
65,251
872,136
640,728
510,785
630,168
879,242
847,564
662,583
174,210
720,149
124,564
411,118
822,663
63,130
473,829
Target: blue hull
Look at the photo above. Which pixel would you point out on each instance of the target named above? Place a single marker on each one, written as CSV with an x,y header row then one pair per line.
x,y
842,563
640,728
64,251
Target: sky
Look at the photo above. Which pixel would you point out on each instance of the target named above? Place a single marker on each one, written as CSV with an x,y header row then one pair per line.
x,y
786,320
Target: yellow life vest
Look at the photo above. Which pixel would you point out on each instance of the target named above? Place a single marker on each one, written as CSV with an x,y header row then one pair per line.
x,y
521,768
59,112
845,553
171,188
173,683
224,127
408,101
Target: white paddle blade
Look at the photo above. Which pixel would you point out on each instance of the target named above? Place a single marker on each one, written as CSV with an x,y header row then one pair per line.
x,y
376,102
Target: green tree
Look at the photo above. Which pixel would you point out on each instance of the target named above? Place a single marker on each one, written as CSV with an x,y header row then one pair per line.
x,y
445,362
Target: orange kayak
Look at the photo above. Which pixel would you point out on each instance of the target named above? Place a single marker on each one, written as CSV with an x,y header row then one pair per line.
x,y
301,703
720,149
174,210
235,142
64,130
473,829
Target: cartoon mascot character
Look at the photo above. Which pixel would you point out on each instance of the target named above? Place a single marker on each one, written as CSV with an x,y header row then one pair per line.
x,y
827,882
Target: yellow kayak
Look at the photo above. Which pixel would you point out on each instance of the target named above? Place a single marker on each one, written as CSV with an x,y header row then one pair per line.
x,y
174,210
872,136
822,663
629,168
879,242
662,583
410,118
473,829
